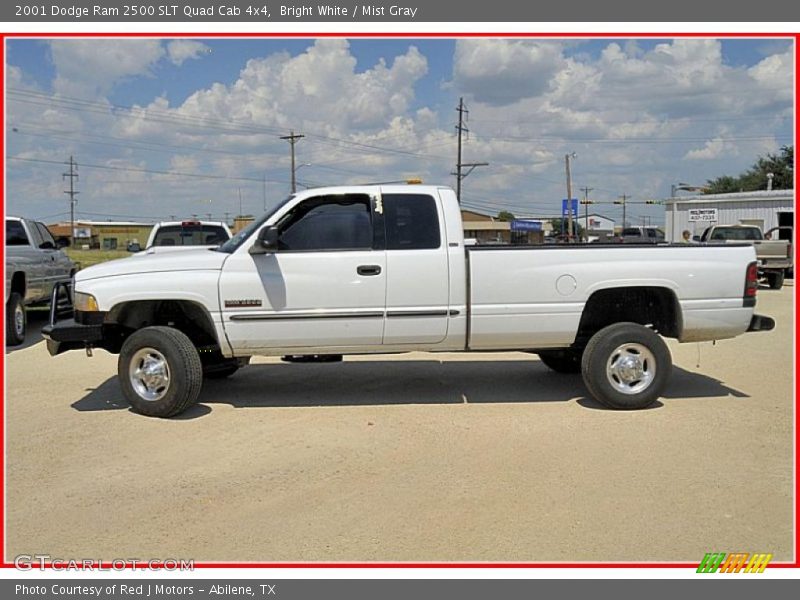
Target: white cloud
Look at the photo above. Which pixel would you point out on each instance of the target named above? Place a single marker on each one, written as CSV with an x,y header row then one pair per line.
x,y
501,71
179,51
89,68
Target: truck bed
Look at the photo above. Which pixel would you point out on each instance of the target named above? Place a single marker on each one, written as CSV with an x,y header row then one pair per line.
x,y
517,290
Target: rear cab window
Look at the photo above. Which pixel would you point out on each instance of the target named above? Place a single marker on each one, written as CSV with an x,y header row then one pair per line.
x,y
411,221
190,235
15,234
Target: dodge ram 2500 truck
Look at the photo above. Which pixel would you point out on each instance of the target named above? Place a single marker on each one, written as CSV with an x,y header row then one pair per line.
x,y
34,263
379,269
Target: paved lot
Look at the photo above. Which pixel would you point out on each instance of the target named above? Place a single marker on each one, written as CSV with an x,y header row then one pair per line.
x,y
417,457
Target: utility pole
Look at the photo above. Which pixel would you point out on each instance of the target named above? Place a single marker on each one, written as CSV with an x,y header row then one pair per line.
x,y
460,166
240,201
292,138
461,129
264,190
624,201
73,176
570,228
586,204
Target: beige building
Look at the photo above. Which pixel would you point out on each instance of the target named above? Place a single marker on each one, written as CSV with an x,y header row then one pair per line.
x,y
103,235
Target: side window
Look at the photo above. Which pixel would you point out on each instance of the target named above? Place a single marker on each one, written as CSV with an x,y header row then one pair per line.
x,y
15,234
45,233
329,223
412,222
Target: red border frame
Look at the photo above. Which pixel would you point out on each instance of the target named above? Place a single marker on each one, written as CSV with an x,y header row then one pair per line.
x,y
377,35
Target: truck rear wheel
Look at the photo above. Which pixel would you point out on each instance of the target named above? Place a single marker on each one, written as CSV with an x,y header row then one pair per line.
x,y
562,361
775,279
160,371
626,366
16,320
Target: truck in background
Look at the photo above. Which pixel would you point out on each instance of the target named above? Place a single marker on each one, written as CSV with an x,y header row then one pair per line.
x,y
774,255
34,264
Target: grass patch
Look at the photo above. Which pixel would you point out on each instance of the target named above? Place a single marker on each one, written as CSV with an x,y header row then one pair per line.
x,y
87,258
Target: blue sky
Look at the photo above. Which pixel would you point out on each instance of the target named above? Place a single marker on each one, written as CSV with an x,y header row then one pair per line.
x,y
640,114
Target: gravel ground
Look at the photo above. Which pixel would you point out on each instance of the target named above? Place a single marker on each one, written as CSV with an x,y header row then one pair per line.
x,y
418,457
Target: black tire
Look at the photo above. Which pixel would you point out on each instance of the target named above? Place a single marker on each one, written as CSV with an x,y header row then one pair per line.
x,y
775,279
16,320
160,346
220,371
610,382
562,361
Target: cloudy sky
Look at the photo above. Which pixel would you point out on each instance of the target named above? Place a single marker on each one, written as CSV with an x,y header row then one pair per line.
x,y
181,127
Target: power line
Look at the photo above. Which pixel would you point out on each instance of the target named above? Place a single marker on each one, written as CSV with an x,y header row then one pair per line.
x,y
140,170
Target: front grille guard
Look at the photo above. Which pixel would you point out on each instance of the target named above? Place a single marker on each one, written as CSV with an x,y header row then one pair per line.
x,y
61,302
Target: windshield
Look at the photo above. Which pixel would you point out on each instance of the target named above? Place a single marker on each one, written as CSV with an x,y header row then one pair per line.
x,y
190,235
237,240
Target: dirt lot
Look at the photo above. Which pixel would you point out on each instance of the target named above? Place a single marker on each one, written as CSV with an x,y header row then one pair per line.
x,y
418,457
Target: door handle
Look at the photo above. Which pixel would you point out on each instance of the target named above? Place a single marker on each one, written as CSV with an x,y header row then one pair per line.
x,y
367,270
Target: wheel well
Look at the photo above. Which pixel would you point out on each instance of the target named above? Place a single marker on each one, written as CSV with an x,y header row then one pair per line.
x,y
18,283
189,317
653,306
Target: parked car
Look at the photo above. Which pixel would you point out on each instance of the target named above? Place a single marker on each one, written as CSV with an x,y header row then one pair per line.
x,y
169,236
34,263
377,269
642,235
774,255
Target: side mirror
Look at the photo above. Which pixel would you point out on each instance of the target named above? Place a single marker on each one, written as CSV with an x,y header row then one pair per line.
x,y
267,241
47,245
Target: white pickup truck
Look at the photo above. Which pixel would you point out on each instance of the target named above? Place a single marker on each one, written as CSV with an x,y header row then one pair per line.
x,y
378,269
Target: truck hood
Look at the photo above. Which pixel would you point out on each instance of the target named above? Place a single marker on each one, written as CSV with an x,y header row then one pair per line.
x,y
201,259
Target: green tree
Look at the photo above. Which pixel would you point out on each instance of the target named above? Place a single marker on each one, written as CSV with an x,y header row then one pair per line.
x,y
781,165
504,215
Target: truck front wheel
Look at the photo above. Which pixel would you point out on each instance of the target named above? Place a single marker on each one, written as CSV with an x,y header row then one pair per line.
x,y
626,366
160,371
16,320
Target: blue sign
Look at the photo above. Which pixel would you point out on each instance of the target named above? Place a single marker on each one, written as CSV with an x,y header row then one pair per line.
x,y
564,209
526,225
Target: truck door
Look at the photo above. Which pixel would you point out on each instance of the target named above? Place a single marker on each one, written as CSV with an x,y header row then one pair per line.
x,y
417,286
324,286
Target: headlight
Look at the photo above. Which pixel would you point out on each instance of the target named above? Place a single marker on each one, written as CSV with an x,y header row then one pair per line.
x,y
85,302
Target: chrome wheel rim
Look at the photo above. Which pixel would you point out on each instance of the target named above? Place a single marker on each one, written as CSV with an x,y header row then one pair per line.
x,y
149,374
631,368
19,320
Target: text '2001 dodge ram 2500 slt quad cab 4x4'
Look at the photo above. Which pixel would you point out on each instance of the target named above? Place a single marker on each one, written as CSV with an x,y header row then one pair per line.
x,y
379,269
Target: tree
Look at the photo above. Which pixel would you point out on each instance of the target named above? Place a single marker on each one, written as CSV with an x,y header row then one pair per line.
x,y
755,178
504,215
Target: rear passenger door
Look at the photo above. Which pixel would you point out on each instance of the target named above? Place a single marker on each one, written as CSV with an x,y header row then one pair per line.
x,y
417,285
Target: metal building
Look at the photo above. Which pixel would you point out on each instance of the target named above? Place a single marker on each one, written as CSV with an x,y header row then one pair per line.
x,y
766,209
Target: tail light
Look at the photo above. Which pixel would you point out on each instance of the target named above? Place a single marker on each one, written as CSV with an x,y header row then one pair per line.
x,y
789,250
751,281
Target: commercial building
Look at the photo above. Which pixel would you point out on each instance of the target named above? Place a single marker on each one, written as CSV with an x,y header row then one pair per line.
x,y
766,209
103,235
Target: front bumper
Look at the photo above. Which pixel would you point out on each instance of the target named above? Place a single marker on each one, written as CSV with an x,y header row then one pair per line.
x,y
761,323
68,329
68,334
